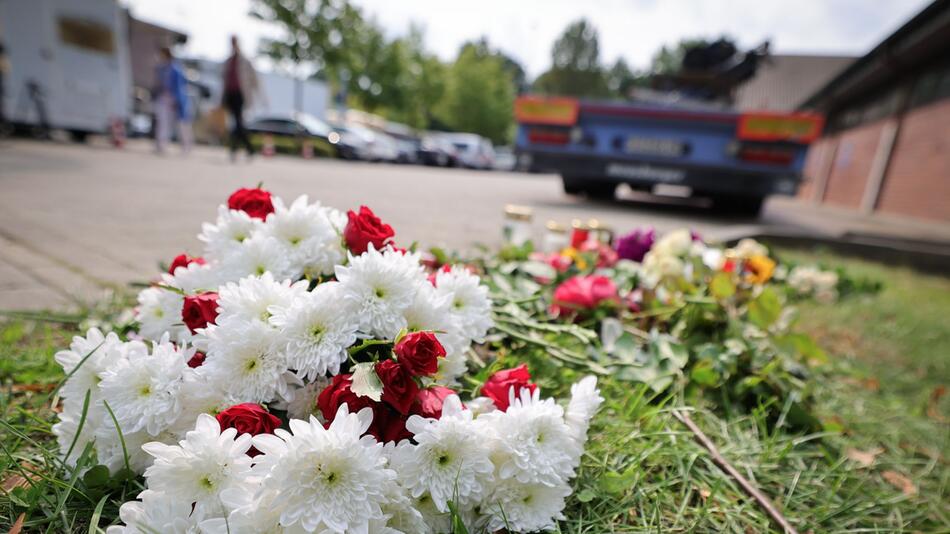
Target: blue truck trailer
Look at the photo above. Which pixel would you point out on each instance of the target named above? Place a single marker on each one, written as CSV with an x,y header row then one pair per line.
x,y
736,159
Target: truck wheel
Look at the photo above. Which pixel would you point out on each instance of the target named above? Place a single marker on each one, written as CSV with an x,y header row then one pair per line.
x,y
600,190
572,186
739,205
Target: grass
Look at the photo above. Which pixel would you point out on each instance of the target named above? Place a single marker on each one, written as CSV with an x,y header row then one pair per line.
x,y
880,465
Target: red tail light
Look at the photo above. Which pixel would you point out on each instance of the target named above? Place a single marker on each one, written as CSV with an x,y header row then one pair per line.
x,y
766,154
549,136
554,111
768,126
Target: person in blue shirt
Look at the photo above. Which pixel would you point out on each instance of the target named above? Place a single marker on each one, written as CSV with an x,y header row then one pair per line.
x,y
170,100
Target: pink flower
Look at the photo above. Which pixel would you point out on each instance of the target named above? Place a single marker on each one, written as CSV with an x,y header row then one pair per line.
x,y
583,293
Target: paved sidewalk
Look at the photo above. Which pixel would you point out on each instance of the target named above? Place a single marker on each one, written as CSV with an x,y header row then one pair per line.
x,y
76,221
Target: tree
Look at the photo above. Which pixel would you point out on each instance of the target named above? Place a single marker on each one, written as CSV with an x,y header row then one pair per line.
x,y
576,69
669,60
620,78
479,94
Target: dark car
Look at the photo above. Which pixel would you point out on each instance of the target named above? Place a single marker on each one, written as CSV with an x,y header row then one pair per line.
x,y
434,150
289,132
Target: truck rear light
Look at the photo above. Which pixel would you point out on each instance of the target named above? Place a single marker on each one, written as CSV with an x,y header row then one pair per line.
x,y
554,111
549,136
770,155
794,127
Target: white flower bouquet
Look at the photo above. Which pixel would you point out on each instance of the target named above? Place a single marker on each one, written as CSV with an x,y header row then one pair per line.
x,y
298,378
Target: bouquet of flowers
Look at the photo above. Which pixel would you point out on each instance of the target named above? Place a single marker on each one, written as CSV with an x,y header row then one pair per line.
x,y
299,377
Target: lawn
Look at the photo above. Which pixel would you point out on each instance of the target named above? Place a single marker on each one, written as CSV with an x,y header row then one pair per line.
x,y
879,465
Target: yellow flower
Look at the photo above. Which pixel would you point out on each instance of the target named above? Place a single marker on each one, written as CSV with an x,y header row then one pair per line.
x,y
575,256
759,269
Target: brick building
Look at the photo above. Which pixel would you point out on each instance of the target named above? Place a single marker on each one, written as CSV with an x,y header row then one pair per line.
x,y
886,146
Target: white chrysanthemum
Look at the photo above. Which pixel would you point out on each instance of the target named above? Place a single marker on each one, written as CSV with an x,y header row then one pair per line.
x,y
250,512
256,256
199,394
156,511
306,235
657,266
159,313
450,462
435,519
675,243
747,248
533,444
243,360
142,389
470,306
201,466
67,428
304,402
113,451
585,400
194,278
250,299
86,360
430,311
329,480
520,507
315,331
378,287
399,514
228,233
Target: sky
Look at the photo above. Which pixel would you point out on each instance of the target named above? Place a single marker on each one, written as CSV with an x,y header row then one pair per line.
x,y
526,29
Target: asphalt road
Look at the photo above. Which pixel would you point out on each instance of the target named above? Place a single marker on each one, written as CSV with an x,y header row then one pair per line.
x,y
75,218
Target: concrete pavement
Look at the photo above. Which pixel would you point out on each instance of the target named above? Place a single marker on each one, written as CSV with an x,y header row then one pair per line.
x,y
75,220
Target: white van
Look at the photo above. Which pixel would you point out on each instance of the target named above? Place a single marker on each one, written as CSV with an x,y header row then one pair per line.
x,y
71,55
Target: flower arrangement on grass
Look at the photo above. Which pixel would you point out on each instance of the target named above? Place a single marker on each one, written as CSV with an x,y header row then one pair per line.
x,y
303,376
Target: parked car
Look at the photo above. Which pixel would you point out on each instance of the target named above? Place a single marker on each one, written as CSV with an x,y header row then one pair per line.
x,y
505,159
378,146
357,148
434,150
474,151
289,131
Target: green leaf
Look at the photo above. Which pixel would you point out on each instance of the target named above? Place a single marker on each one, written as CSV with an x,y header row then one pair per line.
x,y
765,309
538,269
617,483
96,477
365,381
804,345
586,495
721,286
704,374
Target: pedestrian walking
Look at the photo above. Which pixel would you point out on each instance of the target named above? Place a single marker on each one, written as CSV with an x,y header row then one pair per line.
x,y
171,104
240,89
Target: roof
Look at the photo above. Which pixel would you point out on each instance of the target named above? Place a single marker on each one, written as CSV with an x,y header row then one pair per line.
x,y
922,39
784,81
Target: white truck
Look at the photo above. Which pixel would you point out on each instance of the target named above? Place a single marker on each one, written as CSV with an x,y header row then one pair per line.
x,y
69,64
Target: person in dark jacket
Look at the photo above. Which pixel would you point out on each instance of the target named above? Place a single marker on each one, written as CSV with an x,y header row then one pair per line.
x,y
241,88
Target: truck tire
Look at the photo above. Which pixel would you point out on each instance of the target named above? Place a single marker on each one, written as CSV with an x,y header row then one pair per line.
x,y
750,206
590,188
572,186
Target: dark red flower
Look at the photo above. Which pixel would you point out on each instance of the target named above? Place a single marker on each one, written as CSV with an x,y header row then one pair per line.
x,y
338,393
249,418
583,293
184,260
419,353
429,401
364,228
197,360
200,310
388,424
255,202
399,389
498,385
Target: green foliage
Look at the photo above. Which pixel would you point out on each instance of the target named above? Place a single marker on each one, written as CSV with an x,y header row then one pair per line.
x,y
575,69
479,95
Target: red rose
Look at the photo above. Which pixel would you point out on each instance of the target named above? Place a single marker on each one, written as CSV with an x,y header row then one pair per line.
x,y
197,360
249,418
388,424
399,390
498,385
419,353
255,202
365,228
339,393
429,401
184,260
200,310
582,293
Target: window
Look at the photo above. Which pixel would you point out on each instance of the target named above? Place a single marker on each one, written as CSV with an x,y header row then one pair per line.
x,y
86,34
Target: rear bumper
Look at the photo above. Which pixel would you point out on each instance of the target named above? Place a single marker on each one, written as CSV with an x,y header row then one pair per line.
x,y
642,174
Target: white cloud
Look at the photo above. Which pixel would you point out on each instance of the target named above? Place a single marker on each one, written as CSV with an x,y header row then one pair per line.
x,y
525,29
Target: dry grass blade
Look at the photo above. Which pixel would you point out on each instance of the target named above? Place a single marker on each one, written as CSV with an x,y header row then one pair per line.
x,y
864,458
18,526
900,482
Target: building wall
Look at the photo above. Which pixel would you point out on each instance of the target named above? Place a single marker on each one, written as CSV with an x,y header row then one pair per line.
x,y
852,165
917,182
